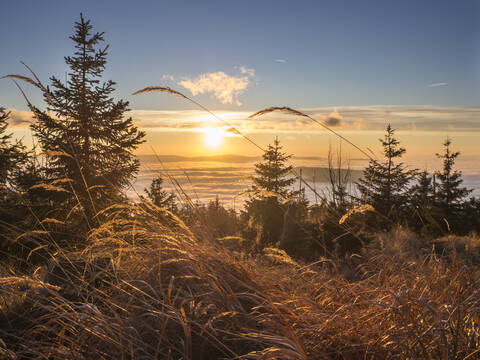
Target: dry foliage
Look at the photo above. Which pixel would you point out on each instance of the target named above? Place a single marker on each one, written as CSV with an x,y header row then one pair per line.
x,y
172,296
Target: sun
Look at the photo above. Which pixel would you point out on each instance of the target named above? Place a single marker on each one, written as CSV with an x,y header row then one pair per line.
x,y
213,137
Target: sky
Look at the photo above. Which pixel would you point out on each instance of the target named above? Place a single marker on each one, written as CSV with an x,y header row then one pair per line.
x,y
352,65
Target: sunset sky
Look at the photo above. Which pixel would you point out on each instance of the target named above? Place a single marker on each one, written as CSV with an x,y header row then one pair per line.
x,y
353,65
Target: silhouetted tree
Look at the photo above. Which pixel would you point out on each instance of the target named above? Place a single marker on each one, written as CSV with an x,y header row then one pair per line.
x,y
272,184
450,197
272,173
221,222
13,155
422,204
83,132
19,209
160,197
384,184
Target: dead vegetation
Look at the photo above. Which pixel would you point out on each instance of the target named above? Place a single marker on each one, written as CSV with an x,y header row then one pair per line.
x,y
168,294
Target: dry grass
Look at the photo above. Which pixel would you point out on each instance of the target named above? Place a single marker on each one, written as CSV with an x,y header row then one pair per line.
x,y
173,296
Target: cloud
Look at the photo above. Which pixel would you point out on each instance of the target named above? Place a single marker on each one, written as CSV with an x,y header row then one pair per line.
x,y
224,87
438,84
168,77
245,71
466,119
280,60
334,119
19,118
303,122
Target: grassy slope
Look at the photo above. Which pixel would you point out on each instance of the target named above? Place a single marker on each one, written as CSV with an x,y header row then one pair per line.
x,y
173,296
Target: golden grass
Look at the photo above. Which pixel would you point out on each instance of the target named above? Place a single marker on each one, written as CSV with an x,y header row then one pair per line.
x,y
356,210
173,296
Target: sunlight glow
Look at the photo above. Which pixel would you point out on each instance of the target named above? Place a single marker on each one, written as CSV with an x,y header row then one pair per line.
x,y
213,137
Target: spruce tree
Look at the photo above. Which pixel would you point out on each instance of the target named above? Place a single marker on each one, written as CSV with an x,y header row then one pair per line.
x,y
13,159
422,204
13,155
384,184
160,197
450,197
422,191
83,132
272,184
272,173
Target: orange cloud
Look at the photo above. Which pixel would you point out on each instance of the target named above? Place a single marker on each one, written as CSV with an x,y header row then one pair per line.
x,y
19,118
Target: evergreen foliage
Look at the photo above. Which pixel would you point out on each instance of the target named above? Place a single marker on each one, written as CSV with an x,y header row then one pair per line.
x,y
160,197
422,202
83,132
272,173
422,191
221,222
450,197
271,184
13,155
385,183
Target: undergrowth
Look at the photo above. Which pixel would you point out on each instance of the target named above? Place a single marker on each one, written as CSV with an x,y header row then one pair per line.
x,y
165,294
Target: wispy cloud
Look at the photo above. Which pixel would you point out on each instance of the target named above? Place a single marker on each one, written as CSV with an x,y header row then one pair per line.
x,y
246,71
168,77
224,87
20,118
458,119
438,84
350,118
280,60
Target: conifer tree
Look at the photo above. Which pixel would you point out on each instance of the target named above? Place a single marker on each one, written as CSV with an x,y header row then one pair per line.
x,y
272,173
422,191
160,197
271,185
449,195
84,132
13,155
384,184
13,159
422,204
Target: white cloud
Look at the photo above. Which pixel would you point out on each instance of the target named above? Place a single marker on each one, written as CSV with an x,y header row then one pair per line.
x,y
245,71
438,84
224,87
280,60
168,77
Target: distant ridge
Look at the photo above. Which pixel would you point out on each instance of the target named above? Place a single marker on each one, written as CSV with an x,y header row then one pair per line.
x,y
321,174
230,158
